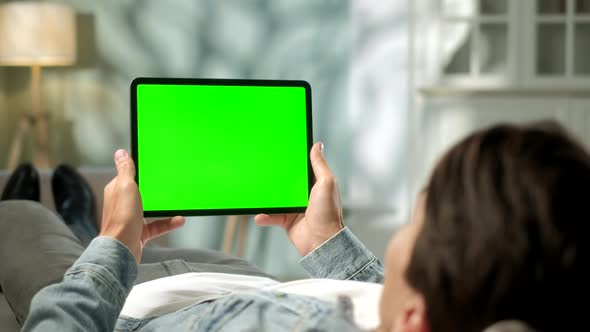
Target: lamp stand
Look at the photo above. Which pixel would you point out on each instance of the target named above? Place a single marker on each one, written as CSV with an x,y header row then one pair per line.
x,y
37,120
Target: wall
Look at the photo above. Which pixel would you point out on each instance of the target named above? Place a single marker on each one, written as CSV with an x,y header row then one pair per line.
x,y
353,52
120,40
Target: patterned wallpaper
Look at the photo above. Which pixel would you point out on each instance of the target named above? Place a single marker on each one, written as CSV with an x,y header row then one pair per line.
x,y
353,52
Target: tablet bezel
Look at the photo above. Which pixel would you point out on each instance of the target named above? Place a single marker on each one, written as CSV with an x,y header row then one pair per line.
x,y
220,82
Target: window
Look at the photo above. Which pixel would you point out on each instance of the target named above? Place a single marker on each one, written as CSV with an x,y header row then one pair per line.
x,y
475,38
513,43
562,34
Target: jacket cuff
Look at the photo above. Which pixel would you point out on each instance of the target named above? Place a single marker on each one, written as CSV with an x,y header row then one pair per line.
x,y
341,257
112,261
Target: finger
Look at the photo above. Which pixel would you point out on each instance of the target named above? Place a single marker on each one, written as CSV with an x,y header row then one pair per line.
x,y
281,220
269,220
318,162
160,227
125,165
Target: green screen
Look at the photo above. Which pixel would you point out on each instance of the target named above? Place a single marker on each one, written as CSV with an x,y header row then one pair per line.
x,y
221,146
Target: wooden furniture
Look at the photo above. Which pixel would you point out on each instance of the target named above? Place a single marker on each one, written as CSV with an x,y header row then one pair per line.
x,y
36,121
229,235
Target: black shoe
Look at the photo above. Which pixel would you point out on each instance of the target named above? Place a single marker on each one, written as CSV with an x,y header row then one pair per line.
x,y
74,201
23,184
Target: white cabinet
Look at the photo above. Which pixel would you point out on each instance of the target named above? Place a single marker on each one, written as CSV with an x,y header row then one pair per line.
x,y
475,41
558,32
578,118
496,43
451,118
482,62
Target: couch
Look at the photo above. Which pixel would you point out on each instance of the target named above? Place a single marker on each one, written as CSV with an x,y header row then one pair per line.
x,y
97,178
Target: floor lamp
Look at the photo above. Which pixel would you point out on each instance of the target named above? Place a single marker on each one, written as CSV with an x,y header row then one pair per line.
x,y
35,35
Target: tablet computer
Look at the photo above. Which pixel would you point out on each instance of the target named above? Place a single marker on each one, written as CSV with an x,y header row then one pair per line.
x,y
221,146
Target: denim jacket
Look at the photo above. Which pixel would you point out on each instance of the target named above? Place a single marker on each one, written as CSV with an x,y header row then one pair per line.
x,y
94,289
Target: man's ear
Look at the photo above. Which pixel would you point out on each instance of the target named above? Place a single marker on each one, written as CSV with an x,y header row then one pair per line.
x,y
413,317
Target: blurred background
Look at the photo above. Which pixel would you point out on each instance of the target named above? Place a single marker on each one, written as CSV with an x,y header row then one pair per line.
x,y
394,83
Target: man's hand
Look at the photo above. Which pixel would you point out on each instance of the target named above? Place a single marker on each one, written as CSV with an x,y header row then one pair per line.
x,y
122,213
323,217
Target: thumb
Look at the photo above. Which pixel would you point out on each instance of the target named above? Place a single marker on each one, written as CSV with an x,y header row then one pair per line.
x,y
269,220
281,220
160,227
318,163
125,165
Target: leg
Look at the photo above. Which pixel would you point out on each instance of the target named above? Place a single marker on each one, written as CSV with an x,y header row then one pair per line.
x,y
75,202
161,262
36,248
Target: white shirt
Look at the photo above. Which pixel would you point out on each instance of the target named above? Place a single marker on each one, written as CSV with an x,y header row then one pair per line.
x,y
169,294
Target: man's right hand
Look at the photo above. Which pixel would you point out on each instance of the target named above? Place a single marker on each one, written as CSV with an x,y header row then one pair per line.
x,y
122,213
323,217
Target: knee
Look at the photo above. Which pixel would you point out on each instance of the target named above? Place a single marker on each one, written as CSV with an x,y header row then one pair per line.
x,y
18,205
13,211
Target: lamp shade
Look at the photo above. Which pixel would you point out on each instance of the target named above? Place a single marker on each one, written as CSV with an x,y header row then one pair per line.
x,y
34,33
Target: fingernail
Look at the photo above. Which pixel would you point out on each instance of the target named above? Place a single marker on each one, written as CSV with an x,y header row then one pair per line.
x,y
120,155
321,147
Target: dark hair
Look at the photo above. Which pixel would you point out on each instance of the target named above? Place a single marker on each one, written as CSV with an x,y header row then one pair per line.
x,y
506,232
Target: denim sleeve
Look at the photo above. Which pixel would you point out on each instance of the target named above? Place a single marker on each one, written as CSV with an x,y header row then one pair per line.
x,y
91,294
343,257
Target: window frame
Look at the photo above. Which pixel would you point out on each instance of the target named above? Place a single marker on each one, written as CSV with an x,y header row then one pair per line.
x,y
521,21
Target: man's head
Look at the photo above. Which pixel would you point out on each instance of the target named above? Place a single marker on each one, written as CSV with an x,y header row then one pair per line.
x,y
500,233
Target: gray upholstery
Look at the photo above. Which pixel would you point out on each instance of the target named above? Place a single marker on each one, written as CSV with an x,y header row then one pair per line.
x,y
97,178
7,321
